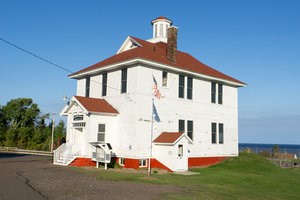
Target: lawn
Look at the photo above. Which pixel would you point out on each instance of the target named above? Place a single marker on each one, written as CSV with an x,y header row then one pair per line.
x,y
248,176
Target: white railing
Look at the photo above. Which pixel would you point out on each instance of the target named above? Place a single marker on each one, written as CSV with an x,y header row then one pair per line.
x,y
63,155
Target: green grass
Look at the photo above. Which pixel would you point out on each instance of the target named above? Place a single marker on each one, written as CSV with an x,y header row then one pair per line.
x,y
248,176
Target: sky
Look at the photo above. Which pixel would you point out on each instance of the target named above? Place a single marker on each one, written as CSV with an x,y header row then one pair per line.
x,y
255,41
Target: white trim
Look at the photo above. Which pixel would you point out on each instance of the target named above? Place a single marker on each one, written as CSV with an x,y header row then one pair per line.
x,y
125,42
74,101
157,65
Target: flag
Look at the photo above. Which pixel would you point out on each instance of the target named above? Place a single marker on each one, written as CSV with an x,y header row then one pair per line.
x,y
156,91
155,114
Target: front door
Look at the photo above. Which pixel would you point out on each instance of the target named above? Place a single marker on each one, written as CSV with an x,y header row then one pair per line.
x,y
181,158
78,141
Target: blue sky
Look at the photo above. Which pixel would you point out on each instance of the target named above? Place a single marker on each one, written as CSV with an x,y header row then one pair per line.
x,y
257,42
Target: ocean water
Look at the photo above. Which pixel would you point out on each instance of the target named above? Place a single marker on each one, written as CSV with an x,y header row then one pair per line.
x,y
257,147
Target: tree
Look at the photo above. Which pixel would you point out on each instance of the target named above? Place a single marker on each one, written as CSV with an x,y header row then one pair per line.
x,y
23,126
21,112
60,133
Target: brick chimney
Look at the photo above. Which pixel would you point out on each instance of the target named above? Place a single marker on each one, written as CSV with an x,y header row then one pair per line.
x,y
172,43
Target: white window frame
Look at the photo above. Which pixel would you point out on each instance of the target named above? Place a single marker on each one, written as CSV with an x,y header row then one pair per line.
x,y
164,82
143,163
122,161
101,132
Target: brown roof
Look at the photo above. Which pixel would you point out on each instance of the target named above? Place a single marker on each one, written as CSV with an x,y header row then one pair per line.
x,y
96,105
156,52
168,137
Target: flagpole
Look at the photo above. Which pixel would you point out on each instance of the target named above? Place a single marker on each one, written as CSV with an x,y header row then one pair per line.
x,y
149,165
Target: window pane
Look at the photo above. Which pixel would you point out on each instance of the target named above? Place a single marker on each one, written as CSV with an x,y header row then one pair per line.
x,y
213,133
181,126
180,150
101,137
164,79
161,29
101,128
190,129
221,133
190,88
143,163
104,84
124,81
77,117
220,94
87,87
213,92
181,87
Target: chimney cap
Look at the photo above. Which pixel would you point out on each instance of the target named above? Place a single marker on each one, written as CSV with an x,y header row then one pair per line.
x,y
161,18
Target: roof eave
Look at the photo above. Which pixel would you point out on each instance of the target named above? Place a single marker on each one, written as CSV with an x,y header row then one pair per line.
x,y
164,143
158,65
104,113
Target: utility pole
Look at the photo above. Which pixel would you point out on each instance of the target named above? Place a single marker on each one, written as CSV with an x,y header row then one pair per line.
x,y
52,135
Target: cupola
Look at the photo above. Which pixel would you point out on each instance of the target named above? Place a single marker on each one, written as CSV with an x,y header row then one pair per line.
x,y
160,27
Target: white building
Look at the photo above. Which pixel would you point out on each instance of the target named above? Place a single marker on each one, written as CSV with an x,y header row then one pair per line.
x,y
111,114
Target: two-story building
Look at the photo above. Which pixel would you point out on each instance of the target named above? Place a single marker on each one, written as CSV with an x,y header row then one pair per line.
x,y
111,116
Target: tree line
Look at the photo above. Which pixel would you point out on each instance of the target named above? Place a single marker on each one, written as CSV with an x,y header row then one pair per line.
x,y
23,125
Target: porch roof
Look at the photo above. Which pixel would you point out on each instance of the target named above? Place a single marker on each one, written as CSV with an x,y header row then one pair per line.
x,y
95,105
168,137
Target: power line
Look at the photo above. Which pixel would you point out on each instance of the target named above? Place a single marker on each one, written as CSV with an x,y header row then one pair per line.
x,y
36,56
48,61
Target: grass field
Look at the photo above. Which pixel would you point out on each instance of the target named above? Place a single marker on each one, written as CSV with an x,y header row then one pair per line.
x,y
248,176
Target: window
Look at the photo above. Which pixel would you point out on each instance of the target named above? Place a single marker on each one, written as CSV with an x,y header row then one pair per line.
x,y
220,93
155,31
165,79
104,84
122,161
221,133
101,133
181,87
189,88
190,129
161,29
87,87
181,126
214,133
79,125
213,92
180,150
124,81
77,117
142,162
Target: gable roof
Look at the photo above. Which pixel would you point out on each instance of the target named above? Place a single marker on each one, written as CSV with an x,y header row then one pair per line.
x,y
156,52
95,105
169,138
